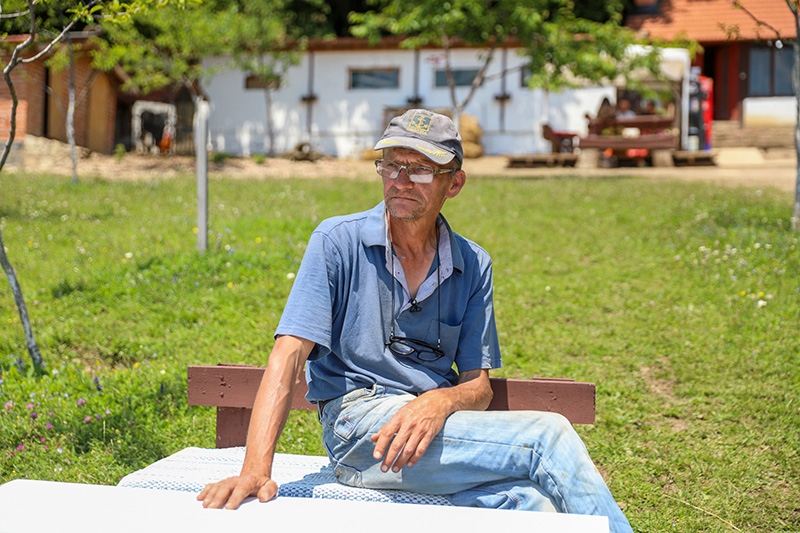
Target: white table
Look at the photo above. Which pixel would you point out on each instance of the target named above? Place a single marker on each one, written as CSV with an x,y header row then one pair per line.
x,y
31,506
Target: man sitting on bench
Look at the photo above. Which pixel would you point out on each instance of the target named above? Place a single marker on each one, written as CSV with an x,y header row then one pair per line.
x,y
385,305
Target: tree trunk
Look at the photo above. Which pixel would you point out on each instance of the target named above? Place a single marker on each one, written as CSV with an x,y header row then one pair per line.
x,y
33,349
30,341
71,113
451,81
270,125
796,76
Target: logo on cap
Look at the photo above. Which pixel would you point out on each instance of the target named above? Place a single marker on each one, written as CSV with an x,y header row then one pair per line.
x,y
420,124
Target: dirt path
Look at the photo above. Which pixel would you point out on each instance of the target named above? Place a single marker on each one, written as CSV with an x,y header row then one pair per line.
x,y
735,167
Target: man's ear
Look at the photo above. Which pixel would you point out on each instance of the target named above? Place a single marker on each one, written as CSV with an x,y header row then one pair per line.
x,y
457,183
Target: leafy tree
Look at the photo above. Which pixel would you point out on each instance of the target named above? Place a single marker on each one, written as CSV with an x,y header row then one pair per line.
x,y
50,19
161,48
793,6
565,42
266,39
26,17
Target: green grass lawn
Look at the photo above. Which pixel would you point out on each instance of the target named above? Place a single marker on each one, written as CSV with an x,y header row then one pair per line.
x,y
680,300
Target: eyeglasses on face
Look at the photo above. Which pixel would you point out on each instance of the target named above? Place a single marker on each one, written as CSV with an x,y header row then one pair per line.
x,y
416,173
404,347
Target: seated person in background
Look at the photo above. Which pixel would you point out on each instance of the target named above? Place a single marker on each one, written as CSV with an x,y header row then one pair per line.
x,y
624,109
603,119
391,315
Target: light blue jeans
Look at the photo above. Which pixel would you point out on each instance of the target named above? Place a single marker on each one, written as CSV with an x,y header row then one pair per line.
x,y
526,460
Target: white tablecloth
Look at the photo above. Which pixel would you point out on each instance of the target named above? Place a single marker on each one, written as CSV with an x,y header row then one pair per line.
x,y
299,476
28,506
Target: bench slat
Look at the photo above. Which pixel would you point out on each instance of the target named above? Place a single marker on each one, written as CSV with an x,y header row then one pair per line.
x,y
232,390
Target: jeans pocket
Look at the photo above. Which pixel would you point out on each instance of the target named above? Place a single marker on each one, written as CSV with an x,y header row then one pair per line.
x,y
345,422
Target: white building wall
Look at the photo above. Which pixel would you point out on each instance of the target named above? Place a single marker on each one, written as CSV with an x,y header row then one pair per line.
x,y
343,122
772,111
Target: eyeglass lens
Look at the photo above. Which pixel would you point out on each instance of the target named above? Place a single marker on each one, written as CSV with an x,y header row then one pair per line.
x,y
417,174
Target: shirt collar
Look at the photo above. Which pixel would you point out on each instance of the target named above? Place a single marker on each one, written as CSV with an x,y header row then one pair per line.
x,y
375,233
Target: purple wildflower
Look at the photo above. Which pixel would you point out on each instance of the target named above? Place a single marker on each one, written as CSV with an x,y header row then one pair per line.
x,y
48,426
34,415
87,419
81,402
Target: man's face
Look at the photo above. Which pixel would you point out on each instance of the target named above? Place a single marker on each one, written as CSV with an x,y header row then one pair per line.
x,y
407,200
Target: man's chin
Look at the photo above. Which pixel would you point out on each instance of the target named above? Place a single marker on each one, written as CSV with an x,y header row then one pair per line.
x,y
401,213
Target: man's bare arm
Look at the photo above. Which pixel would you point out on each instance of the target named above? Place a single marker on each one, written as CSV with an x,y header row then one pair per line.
x,y
406,437
270,412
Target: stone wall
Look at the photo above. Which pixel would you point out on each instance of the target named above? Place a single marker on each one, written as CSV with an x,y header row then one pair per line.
x,y
731,134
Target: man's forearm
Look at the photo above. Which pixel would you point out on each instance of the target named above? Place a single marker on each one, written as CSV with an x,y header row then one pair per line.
x,y
472,393
273,403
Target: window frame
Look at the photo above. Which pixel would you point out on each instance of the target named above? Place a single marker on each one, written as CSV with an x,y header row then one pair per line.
x,y
437,72
355,71
768,68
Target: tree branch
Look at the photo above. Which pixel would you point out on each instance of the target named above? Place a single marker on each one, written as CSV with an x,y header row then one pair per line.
x,y
738,5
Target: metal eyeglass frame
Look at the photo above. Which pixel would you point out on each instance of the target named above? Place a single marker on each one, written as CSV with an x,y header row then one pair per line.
x,y
416,178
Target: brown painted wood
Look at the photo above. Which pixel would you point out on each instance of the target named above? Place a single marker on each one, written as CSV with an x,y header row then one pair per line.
x,y
232,424
232,390
233,386
618,142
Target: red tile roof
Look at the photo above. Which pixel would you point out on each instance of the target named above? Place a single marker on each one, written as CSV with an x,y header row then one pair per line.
x,y
713,21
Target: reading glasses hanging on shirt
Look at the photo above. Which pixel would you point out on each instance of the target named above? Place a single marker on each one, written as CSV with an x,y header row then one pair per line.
x,y
416,173
407,346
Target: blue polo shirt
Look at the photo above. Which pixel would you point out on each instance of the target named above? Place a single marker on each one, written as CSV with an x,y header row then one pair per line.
x,y
342,301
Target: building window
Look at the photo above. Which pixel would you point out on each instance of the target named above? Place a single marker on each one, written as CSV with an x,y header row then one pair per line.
x,y
463,77
388,78
525,76
251,81
770,71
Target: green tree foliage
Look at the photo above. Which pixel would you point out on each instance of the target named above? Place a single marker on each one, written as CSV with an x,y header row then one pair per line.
x,y
567,43
50,17
161,48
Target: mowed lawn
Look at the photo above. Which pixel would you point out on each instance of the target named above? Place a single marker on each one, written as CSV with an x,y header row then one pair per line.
x,y
681,301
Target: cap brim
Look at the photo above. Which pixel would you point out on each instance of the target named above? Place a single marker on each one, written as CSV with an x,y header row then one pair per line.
x,y
429,150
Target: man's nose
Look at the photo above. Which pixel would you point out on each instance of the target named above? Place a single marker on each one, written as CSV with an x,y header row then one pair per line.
x,y
403,179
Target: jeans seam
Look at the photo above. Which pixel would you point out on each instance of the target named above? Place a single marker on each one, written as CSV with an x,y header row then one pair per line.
x,y
541,461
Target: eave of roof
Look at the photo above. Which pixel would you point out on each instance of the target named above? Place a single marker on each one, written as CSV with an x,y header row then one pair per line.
x,y
715,21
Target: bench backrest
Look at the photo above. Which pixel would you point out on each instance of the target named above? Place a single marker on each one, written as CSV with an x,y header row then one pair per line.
x,y
232,390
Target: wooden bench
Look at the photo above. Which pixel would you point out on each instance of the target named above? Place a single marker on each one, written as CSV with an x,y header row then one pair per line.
x,y
560,141
232,390
653,141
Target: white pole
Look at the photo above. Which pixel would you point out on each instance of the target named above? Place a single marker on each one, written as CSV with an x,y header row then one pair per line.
x,y
201,158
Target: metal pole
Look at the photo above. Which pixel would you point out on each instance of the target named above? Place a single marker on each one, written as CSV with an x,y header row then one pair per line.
x,y
201,158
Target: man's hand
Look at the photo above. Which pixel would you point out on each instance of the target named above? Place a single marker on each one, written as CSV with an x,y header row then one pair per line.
x,y
413,427
229,493
410,431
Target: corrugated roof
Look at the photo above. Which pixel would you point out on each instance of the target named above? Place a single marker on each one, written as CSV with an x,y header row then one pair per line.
x,y
712,21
